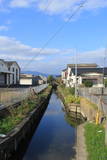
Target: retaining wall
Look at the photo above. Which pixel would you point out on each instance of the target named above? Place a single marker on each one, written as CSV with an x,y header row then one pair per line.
x,y
22,132
95,96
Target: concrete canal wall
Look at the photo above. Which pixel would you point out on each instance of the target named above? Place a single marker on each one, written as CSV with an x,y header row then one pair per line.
x,y
23,131
73,109
12,97
95,96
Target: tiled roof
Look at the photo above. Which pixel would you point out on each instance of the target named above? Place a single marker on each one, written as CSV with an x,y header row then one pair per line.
x,y
83,65
9,63
64,70
81,71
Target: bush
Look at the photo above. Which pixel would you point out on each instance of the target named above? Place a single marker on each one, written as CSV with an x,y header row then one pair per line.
x,y
50,79
88,83
72,99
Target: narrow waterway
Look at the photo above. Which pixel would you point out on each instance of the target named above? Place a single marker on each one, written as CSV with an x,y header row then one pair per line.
x,y
55,138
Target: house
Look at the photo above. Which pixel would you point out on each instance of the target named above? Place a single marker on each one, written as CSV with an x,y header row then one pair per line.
x,y
64,76
91,72
29,79
9,73
43,78
26,79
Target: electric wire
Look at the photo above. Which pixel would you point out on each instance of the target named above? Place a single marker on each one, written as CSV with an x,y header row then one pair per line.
x,y
55,34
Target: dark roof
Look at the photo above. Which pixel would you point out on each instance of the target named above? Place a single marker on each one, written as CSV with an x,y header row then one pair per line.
x,y
81,71
9,63
84,65
64,70
38,78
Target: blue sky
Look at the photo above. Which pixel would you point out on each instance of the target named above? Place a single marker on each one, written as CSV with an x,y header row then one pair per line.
x,y
26,25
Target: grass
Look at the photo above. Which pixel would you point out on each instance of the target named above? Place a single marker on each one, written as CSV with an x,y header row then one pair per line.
x,y
68,94
95,142
18,114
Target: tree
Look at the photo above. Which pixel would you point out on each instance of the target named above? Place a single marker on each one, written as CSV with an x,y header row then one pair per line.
x,y
50,79
88,83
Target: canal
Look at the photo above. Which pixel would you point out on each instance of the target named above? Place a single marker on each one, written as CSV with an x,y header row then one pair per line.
x,y
54,138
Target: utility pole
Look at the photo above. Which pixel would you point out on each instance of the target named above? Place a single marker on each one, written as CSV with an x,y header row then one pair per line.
x,y
103,93
104,67
75,73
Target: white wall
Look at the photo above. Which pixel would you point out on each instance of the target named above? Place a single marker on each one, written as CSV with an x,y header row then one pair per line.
x,y
3,66
25,81
16,78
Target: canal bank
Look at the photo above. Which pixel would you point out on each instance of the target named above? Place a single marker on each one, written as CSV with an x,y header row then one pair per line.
x,y
54,138
78,117
20,135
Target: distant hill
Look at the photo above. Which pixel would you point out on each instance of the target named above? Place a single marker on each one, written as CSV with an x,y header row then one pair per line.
x,y
35,73
38,73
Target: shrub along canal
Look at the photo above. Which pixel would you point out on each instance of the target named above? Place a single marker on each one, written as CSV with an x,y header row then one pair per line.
x,y
54,138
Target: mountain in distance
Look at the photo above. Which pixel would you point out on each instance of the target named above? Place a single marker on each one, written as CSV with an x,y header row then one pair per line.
x,y
37,73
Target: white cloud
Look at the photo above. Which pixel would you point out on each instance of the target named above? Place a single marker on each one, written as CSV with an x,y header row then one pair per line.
x,y
49,60
11,48
21,3
3,28
59,7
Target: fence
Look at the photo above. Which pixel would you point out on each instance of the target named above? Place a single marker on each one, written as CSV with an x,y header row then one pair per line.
x,y
9,96
95,96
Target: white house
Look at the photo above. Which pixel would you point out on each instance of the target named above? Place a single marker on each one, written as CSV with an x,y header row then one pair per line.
x,y
84,72
29,79
9,73
26,79
64,76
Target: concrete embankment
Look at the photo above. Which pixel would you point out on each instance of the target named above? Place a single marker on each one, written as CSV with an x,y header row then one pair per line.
x,y
77,111
22,132
73,109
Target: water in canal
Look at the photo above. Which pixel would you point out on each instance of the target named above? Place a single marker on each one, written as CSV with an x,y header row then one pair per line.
x,y
55,138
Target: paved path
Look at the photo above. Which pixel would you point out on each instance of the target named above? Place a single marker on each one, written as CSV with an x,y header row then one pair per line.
x,y
81,146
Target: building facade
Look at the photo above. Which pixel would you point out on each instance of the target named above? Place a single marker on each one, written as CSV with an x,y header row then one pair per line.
x,y
26,79
29,79
77,75
9,73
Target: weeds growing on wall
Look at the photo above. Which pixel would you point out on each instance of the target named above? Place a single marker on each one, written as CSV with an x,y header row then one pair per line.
x,y
18,114
68,94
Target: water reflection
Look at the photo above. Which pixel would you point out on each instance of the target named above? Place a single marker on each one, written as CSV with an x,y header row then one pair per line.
x,y
55,138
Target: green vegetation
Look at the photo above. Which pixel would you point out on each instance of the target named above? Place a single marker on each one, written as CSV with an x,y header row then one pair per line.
x,y
72,99
66,90
68,94
88,83
50,79
95,142
105,82
18,114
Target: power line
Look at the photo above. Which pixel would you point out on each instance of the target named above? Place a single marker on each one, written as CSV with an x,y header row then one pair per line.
x,y
59,30
48,5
